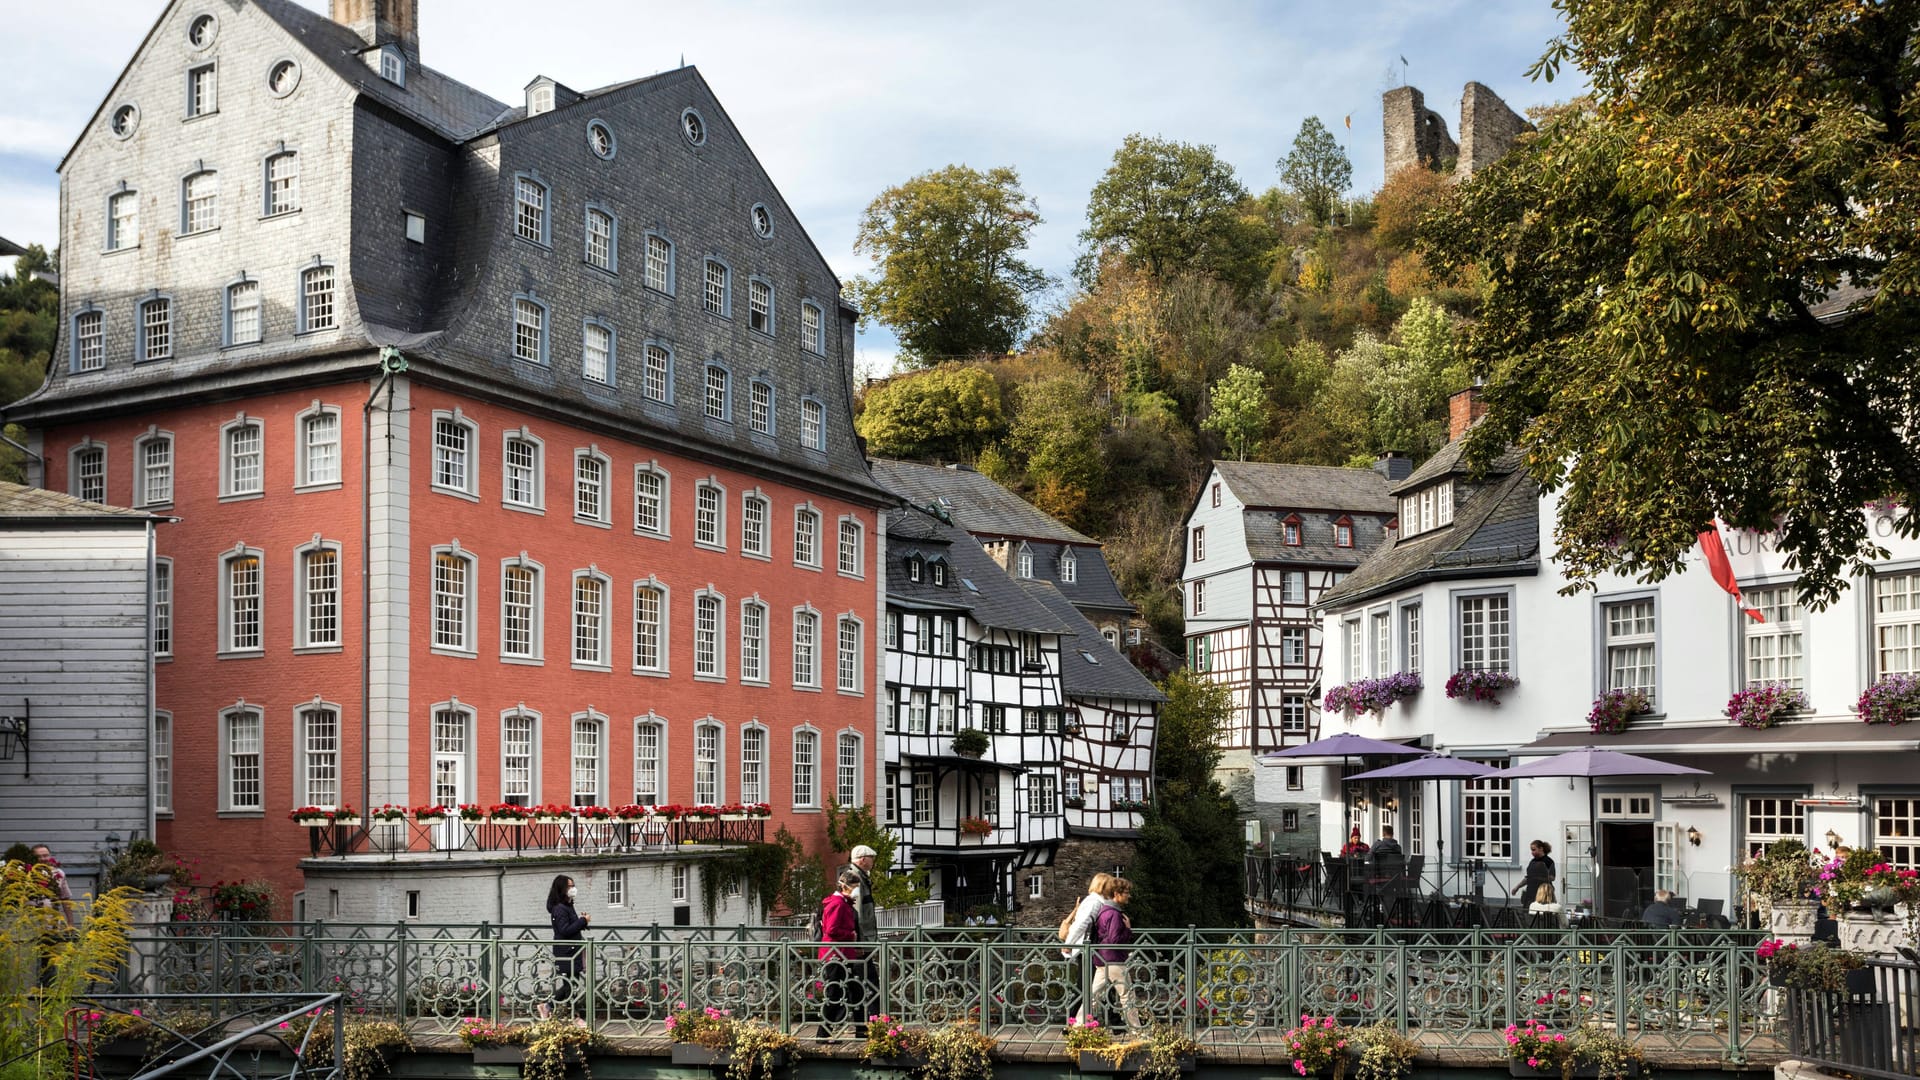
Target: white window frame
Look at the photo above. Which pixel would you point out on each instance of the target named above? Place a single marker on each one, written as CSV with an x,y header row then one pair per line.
x,y
848,661
806,648
594,723
849,759
81,474
710,514
713,760
162,774
243,296
532,217
441,467
813,328
754,640
1294,715
716,293
162,608
1197,595
654,727
1069,567
806,767
1493,653
590,633
1775,651
235,755
1626,649
656,372
658,270
851,548
813,424
520,756
806,536
152,346
152,485
269,207
123,229
305,608
662,504
592,496
309,423
716,393
311,761
529,312
710,642
199,201
1199,543
1493,796
660,629
536,478
1895,621
611,236
753,763
762,407
230,627
203,99
609,362
466,646
234,484
756,525
534,615
89,341
1412,627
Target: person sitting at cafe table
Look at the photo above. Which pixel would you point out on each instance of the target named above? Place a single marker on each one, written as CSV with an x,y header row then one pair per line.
x,y
1386,845
1661,913
1356,847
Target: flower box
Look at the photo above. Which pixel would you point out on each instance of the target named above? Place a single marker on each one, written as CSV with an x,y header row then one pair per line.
x,y
1092,1061
347,822
123,1047
428,822
499,1055
733,817
695,1054
313,822
506,821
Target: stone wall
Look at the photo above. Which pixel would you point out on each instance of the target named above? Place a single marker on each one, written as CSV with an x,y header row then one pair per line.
x,y
1413,133
1065,882
1487,129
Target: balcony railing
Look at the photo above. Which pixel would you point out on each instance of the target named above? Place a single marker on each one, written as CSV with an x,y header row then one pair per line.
x,y
576,836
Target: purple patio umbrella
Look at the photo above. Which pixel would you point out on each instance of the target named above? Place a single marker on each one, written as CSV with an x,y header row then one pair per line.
x,y
1435,767
1590,763
1345,746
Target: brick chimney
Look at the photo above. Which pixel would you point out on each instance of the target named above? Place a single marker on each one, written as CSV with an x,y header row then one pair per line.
x,y
383,22
1463,409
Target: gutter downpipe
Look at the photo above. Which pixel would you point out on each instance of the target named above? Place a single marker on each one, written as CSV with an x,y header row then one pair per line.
x,y
391,363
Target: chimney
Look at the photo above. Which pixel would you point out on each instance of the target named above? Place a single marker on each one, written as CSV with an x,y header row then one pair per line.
x,y
383,22
1463,409
1393,465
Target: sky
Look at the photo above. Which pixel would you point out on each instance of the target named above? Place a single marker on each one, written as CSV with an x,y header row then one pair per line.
x,y
841,101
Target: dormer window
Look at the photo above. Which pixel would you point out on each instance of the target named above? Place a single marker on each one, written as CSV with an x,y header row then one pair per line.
x,y
1026,561
393,66
1426,510
939,572
539,98
1343,533
913,568
1290,530
1069,567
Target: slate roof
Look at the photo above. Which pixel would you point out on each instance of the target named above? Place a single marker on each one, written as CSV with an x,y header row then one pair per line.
x,y
1092,585
1495,532
1107,674
1304,487
978,504
19,503
1267,541
996,599
911,532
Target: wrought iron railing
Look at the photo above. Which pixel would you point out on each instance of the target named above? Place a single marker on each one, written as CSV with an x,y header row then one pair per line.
x,y
574,836
221,1036
1692,993
1866,1029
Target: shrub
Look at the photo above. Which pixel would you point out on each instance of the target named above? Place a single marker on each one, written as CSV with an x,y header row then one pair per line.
x,y
970,742
243,901
957,1051
1385,1054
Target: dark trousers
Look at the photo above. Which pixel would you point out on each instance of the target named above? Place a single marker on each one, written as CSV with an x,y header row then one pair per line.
x,y
847,986
567,967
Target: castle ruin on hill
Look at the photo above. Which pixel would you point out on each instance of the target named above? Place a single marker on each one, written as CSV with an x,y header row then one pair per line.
x,y
1416,135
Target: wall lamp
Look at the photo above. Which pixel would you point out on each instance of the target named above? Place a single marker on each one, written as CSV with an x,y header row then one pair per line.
x,y
13,736
1833,841
1693,835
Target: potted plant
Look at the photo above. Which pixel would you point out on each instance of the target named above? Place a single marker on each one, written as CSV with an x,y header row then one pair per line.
x,y
1075,802
433,814
1894,699
1476,685
369,1044
700,813
493,1044
1601,1054
472,812
957,1051
1613,710
1164,1053
975,826
1385,1053
760,810
242,901
1778,881
593,813
892,1045
554,1044
313,817
1318,1047
1084,1037
1534,1049
551,814
733,812
971,742
1761,707
700,1036
389,814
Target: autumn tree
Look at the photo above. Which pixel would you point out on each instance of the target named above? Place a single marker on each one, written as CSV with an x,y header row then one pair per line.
x,y
951,411
1239,408
946,248
1166,206
1704,286
1316,170
1056,429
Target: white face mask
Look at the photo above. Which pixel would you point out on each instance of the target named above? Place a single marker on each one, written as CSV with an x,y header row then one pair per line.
x,y
572,892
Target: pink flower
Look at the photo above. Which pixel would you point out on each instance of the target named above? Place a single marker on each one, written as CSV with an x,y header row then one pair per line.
x,y
1327,1023
1300,1067
1533,1063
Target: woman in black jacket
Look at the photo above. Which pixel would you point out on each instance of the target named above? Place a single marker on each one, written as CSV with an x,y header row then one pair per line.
x,y
568,960
1540,871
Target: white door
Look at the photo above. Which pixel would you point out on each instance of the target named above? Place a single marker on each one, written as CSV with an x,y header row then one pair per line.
x,y
1576,863
1666,859
450,774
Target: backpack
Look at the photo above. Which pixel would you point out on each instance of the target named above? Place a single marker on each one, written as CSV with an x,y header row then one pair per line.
x,y
816,922
1066,924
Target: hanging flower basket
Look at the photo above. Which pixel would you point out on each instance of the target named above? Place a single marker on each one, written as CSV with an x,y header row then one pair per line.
x,y
976,826
1484,686
1764,706
1894,699
1615,709
1373,695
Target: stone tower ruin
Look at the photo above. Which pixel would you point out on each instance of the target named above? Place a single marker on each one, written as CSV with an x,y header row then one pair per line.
x,y
1416,135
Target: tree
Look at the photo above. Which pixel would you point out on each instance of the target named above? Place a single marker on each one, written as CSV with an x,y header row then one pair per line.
x,y
1400,204
850,826
946,245
951,411
1164,206
29,313
1188,867
1058,428
1239,408
1704,286
1316,170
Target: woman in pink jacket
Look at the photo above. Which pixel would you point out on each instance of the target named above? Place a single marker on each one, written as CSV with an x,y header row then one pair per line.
x,y
844,985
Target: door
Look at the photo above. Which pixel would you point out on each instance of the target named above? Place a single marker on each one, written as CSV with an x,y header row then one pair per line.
x,y
1576,863
450,774
1626,868
1666,859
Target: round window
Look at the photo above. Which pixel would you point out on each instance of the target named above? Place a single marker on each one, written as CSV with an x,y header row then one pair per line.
x,y
201,31
282,77
125,119
694,128
600,138
762,221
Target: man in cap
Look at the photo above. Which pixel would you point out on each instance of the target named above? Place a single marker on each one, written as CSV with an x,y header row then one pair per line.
x,y
862,864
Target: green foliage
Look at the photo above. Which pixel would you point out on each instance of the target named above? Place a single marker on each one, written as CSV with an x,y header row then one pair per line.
x,y
807,876
1239,408
1655,260
759,870
850,826
45,960
1391,395
1316,170
1403,202
1166,206
29,317
1057,428
946,246
1188,869
950,412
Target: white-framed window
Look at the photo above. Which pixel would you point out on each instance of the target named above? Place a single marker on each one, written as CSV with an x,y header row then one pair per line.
x,y
156,329
1026,562
123,220
709,628
455,438
319,446
753,764
753,641
590,604
318,593
1199,543
602,250
846,777
1069,567
847,663
451,779
717,294
240,601
656,373
530,209
243,313
659,269
1293,645
202,91
922,797
242,738
616,888
393,66
200,202
1197,595
1632,646
590,486
1342,534
1776,649
649,626
242,448
948,644
718,386
1382,643
520,605
893,630
760,307
649,761
760,407
153,458
708,785
1486,817
89,341
521,471
162,607
1410,638
1293,587
1485,632
649,500
162,762
1896,624
806,536
529,330
1896,829
453,608
1293,714
709,515
1290,532
806,769
282,187
812,335
597,361
851,547
1043,795
890,796
589,759
681,883
754,528
813,430
317,767
806,648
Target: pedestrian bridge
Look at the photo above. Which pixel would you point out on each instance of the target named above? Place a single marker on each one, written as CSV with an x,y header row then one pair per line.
x,y
1690,999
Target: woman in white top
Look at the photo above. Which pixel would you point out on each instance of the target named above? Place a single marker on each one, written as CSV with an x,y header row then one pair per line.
x,y
1098,891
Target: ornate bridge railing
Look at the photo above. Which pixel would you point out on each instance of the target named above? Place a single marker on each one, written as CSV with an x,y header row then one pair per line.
x,y
573,835
1699,995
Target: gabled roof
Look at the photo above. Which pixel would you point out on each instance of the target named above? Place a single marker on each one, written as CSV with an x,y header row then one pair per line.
x,y
996,599
1267,540
978,504
915,533
1452,459
1495,533
1089,666
21,504
1320,487
1092,586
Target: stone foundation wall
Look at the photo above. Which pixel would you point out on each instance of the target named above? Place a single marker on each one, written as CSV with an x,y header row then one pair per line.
x,y
1065,882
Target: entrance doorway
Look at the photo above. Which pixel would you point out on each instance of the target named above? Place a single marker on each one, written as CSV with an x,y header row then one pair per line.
x,y
1626,857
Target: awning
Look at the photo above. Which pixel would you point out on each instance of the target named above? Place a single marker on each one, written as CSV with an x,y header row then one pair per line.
x,y
967,764
1792,737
